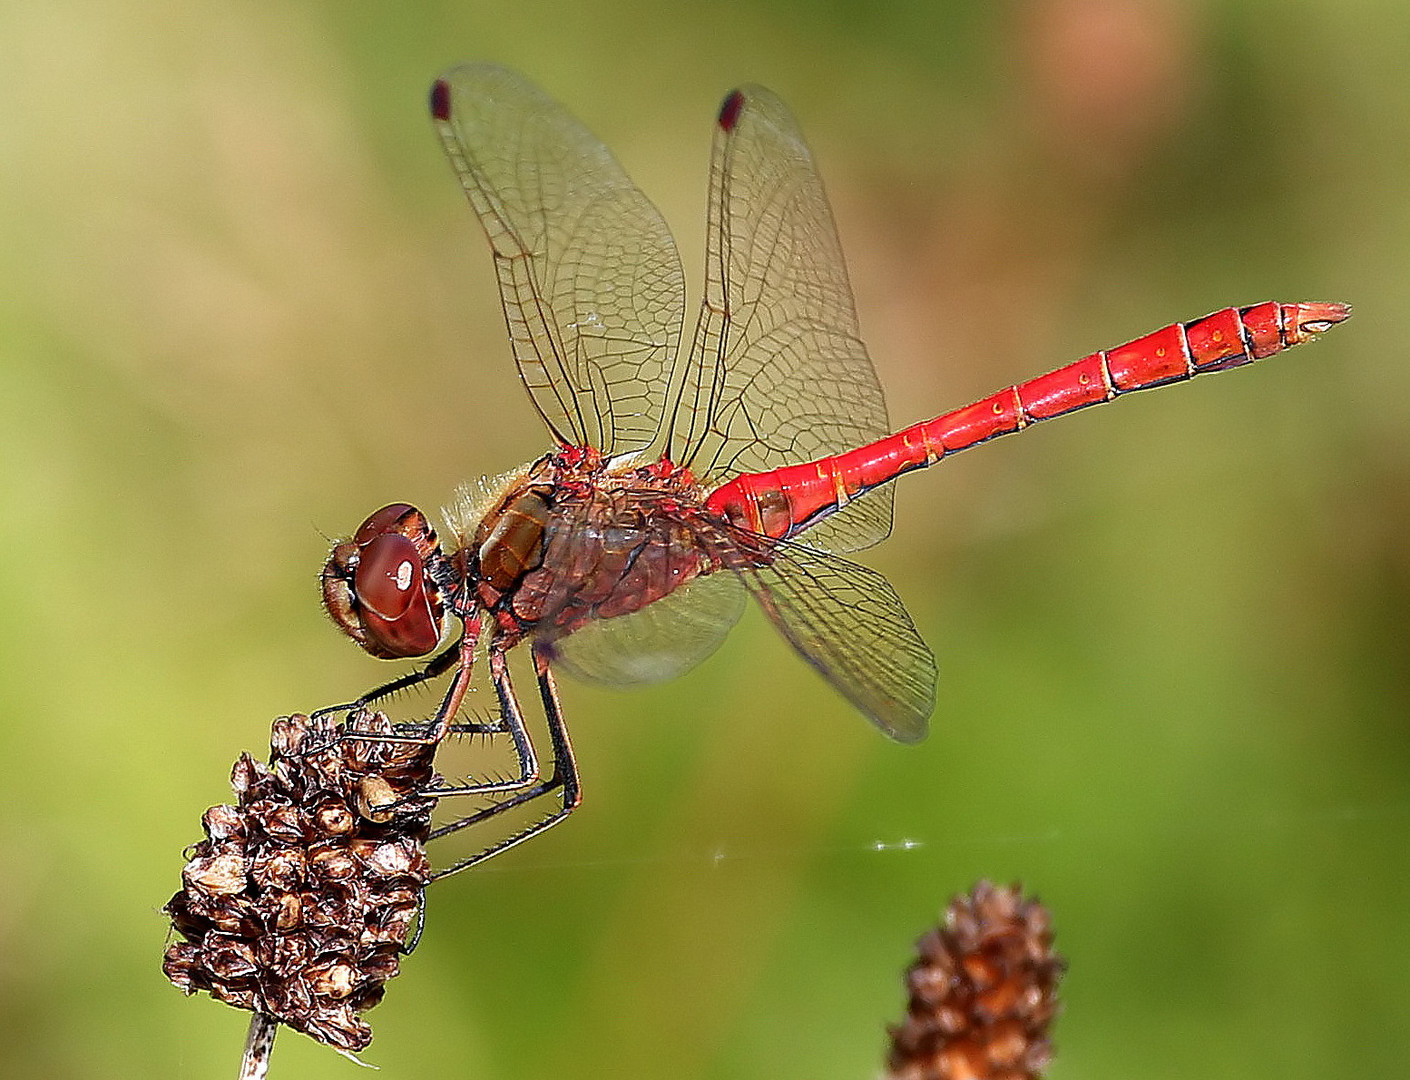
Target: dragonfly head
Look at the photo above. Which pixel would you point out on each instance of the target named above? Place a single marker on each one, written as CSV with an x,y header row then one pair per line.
x,y
377,588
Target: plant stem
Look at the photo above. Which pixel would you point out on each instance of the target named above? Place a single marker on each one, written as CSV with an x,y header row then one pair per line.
x,y
259,1044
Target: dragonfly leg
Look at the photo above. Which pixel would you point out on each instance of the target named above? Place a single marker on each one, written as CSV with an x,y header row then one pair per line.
x,y
462,656
437,665
511,720
563,780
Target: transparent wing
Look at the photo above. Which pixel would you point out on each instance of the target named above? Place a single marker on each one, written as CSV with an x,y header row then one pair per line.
x,y
777,372
659,642
847,621
593,291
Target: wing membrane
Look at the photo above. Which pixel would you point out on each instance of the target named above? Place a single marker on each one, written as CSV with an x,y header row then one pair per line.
x,y
777,372
591,282
658,642
847,621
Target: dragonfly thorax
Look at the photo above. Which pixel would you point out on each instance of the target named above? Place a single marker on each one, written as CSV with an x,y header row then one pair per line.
x,y
576,537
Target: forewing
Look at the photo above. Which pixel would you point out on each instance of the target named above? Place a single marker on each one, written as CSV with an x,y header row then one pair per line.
x,y
777,373
658,642
593,291
847,621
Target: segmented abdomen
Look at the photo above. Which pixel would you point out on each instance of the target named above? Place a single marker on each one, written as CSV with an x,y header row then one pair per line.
x,y
782,502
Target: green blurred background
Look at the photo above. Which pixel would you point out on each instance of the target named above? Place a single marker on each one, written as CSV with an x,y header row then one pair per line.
x,y
242,303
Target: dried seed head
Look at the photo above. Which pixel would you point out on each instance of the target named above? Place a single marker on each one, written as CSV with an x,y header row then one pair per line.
x,y
298,902
982,993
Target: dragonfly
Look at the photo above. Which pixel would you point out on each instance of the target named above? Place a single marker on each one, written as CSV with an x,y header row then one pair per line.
x,y
686,475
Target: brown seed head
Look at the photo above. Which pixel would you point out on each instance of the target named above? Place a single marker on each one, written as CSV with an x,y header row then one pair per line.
x,y
982,993
298,902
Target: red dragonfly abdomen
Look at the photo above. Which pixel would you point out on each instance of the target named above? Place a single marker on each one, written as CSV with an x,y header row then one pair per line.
x,y
785,501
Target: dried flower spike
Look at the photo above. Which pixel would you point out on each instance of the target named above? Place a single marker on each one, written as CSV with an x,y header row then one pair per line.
x,y
982,993
298,902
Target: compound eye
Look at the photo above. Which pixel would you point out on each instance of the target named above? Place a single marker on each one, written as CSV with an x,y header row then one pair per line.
x,y
389,575
398,610
383,521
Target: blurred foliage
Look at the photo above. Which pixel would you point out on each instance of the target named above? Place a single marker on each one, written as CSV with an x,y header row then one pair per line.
x,y
241,304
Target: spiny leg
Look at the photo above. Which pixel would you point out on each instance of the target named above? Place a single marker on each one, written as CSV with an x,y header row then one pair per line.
x,y
436,666
464,653
511,720
355,710
565,775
